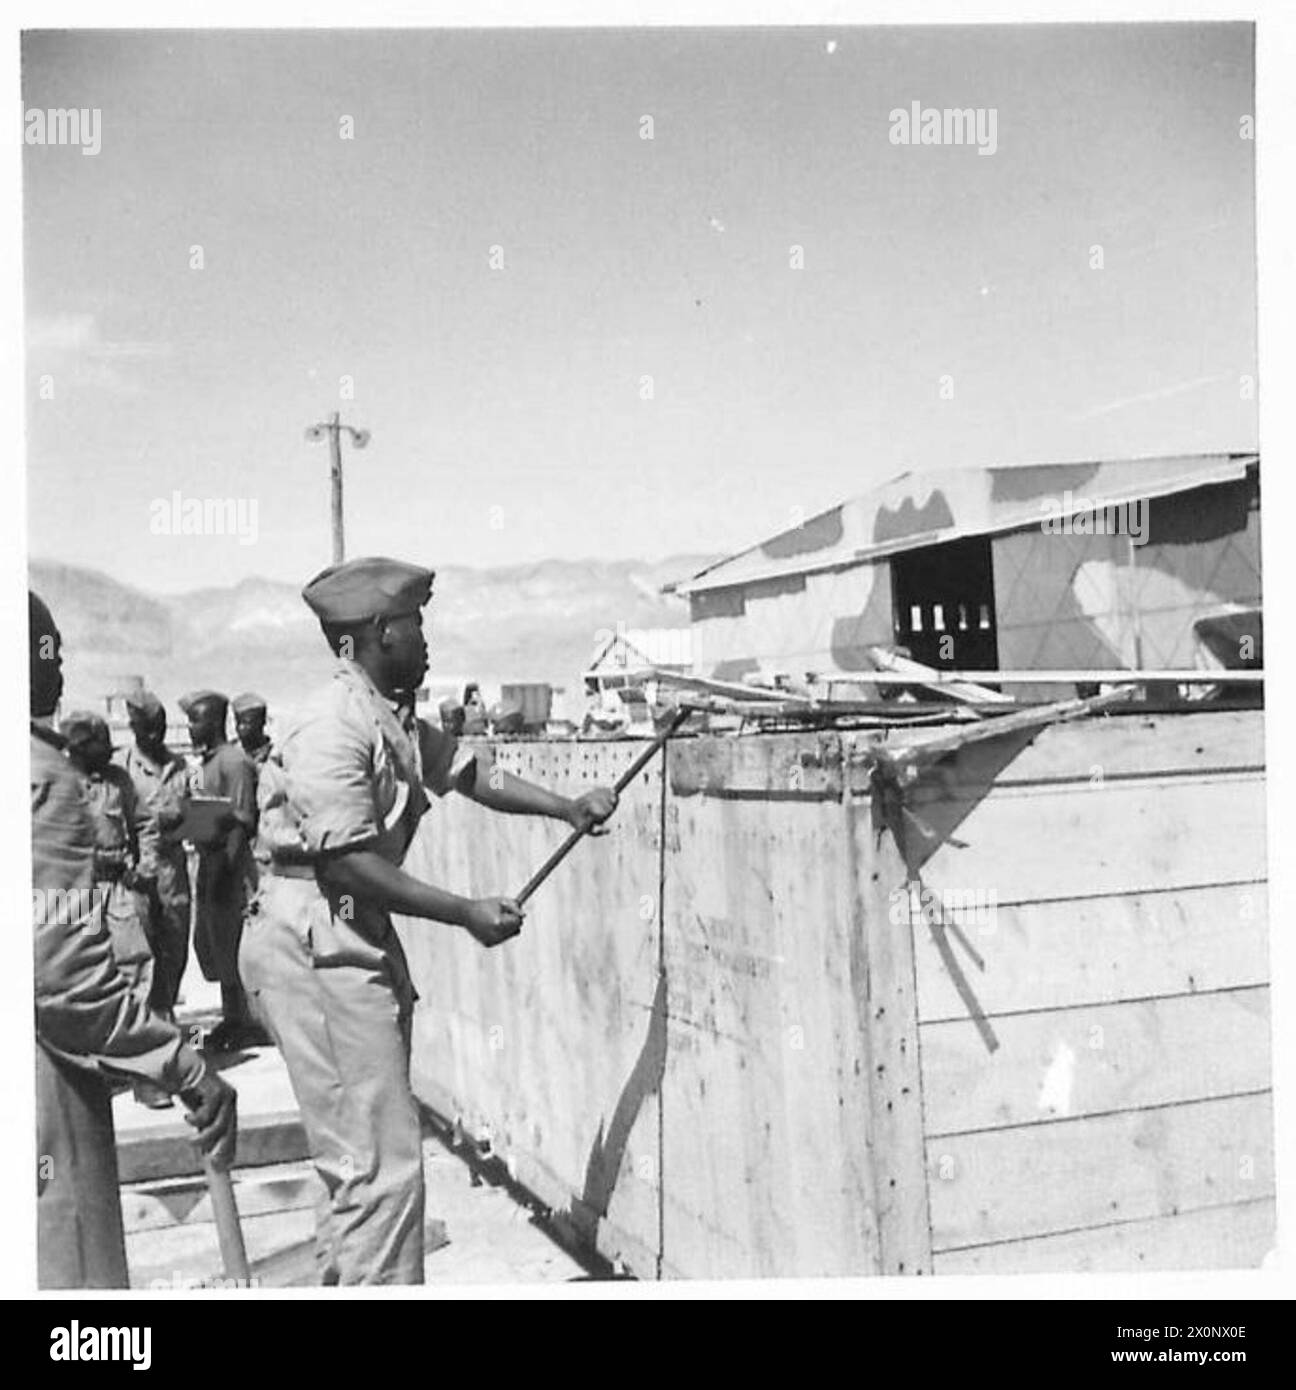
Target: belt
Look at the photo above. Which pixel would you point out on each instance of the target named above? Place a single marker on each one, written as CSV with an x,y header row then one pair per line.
x,y
290,870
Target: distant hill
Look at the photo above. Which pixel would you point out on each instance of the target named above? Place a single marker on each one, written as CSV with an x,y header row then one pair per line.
x,y
523,622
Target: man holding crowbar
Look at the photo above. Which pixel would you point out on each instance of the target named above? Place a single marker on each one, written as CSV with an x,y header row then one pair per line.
x,y
339,803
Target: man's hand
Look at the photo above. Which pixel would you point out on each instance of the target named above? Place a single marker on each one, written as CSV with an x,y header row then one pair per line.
x,y
592,808
493,920
213,1114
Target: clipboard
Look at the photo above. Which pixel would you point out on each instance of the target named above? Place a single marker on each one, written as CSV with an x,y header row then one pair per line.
x,y
206,819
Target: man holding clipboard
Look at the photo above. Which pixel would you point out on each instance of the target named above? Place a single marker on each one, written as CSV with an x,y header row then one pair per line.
x,y
221,822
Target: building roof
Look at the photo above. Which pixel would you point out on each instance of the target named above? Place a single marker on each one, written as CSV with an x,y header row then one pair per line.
x,y
920,509
637,649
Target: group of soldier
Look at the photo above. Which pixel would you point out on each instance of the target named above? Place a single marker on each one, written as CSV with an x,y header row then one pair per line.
x,y
294,896
94,1022
137,798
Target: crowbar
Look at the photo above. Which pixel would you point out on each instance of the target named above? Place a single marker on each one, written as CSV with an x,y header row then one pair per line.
x,y
225,1215
619,786
228,1230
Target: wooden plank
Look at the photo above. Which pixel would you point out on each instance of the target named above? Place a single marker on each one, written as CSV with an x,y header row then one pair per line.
x,y
150,1206
791,767
1098,950
1007,1184
733,690
892,668
588,1009
919,756
883,974
589,1016
1093,751
1238,1236
767,1161
1070,1062
1040,843
548,1046
167,1151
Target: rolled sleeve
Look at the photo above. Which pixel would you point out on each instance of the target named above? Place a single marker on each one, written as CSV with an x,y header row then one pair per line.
x,y
329,768
445,759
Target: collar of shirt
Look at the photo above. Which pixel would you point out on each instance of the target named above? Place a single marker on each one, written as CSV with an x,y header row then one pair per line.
x,y
395,718
402,706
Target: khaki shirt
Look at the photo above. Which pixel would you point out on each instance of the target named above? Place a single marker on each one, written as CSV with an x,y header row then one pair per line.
x,y
115,814
161,790
351,772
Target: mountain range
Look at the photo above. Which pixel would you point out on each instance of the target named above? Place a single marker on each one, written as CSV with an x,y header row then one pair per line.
x,y
536,622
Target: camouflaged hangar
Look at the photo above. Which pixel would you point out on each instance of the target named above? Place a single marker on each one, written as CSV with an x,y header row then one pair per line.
x,y
1023,568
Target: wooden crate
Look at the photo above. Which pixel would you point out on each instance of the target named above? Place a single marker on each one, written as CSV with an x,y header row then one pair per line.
x,y
746,1034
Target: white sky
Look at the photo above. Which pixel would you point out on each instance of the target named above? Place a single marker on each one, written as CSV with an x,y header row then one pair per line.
x,y
506,406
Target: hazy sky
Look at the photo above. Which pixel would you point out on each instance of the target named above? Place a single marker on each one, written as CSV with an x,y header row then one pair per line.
x,y
507,406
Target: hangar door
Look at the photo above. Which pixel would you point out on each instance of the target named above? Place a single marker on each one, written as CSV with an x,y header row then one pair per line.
x,y
944,605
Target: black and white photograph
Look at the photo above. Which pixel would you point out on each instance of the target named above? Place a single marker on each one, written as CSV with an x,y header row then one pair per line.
x,y
647,658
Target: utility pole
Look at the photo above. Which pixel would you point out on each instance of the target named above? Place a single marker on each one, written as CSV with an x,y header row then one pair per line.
x,y
333,428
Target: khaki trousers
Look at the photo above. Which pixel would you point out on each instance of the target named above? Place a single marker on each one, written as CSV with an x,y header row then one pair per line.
x,y
169,928
339,1008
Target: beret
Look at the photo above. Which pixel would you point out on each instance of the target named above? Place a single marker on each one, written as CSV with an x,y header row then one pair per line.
x,y
247,702
81,726
374,587
203,697
143,702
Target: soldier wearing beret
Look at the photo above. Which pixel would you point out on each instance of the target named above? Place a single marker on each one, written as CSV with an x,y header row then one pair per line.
x,y
320,956
249,725
162,783
226,871
122,881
